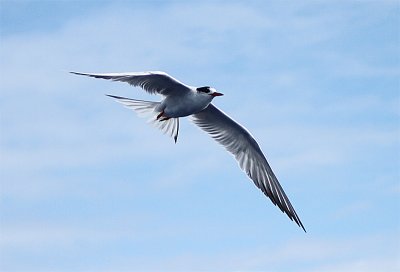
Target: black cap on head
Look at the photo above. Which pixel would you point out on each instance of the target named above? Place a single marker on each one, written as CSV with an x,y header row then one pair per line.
x,y
205,89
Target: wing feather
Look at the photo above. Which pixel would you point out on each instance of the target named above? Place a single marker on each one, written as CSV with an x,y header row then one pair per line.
x,y
238,141
152,82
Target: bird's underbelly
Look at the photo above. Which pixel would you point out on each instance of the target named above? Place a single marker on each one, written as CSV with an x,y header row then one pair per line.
x,y
184,107
183,110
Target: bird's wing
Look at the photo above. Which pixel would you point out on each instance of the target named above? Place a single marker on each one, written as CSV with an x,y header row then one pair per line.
x,y
238,141
151,82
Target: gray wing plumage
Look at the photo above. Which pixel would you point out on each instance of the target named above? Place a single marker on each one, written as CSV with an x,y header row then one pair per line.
x,y
238,141
151,82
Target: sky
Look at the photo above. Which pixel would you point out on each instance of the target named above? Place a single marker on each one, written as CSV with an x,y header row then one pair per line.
x,y
86,185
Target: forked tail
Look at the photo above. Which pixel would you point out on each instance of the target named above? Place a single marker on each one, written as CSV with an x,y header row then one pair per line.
x,y
148,110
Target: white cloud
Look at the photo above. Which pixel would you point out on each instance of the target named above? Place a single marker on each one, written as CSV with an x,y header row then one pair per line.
x,y
312,252
342,65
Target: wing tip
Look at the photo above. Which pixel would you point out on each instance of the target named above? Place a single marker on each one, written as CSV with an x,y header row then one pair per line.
x,y
85,74
298,222
294,217
114,96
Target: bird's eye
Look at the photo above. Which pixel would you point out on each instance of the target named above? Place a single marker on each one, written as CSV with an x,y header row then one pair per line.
x,y
203,89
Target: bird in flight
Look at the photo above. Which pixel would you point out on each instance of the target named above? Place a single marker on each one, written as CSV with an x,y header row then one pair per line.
x,y
180,100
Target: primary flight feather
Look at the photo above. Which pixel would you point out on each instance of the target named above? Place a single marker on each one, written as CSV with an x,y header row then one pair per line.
x,y
180,100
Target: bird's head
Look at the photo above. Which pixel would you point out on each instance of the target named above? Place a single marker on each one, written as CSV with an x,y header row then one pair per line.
x,y
208,91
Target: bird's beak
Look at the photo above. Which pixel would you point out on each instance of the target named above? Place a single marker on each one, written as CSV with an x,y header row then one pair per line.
x,y
216,94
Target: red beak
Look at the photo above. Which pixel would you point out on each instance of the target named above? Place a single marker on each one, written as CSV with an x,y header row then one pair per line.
x,y
216,94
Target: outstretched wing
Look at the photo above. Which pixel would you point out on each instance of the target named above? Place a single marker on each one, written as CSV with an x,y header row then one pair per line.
x,y
238,141
151,82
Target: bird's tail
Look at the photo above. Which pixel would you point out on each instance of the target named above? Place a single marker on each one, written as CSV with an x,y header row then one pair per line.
x,y
148,110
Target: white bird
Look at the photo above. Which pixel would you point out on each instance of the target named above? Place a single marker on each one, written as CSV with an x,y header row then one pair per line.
x,y
181,100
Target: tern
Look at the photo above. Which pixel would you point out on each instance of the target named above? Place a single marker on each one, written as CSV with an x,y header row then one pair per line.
x,y
180,100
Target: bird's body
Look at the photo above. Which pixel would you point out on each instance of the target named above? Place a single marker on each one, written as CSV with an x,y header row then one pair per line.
x,y
185,105
181,100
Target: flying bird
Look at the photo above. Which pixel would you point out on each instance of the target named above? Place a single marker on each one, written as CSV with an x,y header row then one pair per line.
x,y
180,100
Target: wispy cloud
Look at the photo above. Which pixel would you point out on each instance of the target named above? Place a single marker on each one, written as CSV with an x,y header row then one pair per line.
x,y
81,174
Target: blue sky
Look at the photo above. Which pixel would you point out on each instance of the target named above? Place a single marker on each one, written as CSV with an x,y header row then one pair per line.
x,y
88,185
